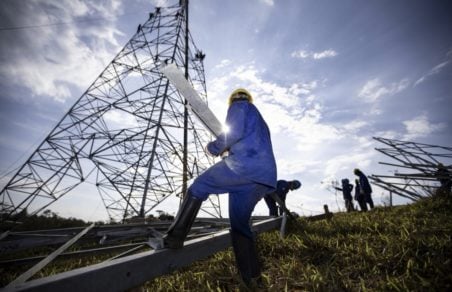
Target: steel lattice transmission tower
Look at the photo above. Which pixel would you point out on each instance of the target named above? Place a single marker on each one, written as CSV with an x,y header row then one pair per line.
x,y
136,163
418,163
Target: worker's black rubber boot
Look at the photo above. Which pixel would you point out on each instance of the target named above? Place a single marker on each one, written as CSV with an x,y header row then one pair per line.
x,y
246,258
181,225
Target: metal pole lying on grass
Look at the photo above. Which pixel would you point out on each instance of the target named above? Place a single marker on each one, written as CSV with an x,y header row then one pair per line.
x,y
36,268
134,270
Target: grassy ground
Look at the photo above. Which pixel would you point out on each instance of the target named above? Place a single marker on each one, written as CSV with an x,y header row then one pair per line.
x,y
404,248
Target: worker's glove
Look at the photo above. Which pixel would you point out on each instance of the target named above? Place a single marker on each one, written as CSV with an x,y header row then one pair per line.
x,y
224,154
206,149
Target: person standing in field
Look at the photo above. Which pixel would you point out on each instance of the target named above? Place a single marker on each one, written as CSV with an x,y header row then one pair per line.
x,y
360,197
365,188
346,189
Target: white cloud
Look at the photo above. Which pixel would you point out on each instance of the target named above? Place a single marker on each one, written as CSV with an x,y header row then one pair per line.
x,y
324,54
435,70
311,132
388,134
302,141
355,125
223,63
373,90
117,119
347,162
302,54
420,127
268,92
159,3
295,166
60,56
268,2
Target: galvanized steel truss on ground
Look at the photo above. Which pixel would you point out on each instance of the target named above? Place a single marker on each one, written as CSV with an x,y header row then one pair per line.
x,y
124,137
129,251
418,163
119,251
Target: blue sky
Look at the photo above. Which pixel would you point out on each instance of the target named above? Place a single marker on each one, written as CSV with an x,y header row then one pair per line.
x,y
326,75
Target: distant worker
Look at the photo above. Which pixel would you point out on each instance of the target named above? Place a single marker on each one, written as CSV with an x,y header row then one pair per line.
x,y
443,176
360,197
365,187
346,189
247,174
282,188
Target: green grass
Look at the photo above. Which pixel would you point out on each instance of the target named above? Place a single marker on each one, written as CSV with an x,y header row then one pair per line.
x,y
404,248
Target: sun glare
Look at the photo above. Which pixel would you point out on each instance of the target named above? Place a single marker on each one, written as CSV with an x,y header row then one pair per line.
x,y
225,128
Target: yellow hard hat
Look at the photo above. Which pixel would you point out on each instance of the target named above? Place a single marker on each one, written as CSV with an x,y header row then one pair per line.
x,y
239,92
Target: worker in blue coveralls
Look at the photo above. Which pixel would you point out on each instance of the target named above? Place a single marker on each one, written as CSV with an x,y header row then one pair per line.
x,y
247,174
365,187
360,197
282,188
346,189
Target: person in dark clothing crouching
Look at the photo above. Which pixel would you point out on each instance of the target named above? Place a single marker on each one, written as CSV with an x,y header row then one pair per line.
x,y
282,188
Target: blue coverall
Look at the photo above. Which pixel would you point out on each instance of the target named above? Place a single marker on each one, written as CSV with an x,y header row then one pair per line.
x,y
347,194
247,173
282,188
366,189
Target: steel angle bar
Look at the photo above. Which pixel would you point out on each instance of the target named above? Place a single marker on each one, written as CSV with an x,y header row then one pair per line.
x,y
127,252
77,253
134,270
416,175
410,165
397,190
319,217
212,221
197,104
16,241
4,234
408,184
36,268
282,205
409,176
431,165
282,229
